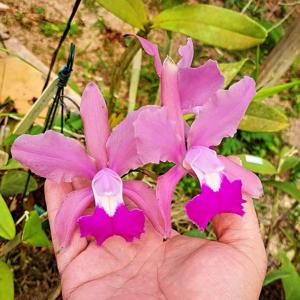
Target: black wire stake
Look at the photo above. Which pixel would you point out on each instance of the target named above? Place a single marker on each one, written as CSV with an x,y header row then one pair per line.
x,y
62,39
63,77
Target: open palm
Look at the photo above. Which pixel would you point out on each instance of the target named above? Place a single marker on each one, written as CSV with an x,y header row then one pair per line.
x,y
181,268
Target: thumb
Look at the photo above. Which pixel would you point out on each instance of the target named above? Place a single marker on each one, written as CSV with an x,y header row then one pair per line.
x,y
243,233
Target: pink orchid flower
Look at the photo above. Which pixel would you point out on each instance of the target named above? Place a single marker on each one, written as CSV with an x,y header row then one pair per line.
x,y
164,136
110,156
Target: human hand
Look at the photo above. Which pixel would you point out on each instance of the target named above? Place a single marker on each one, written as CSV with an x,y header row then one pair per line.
x,y
181,268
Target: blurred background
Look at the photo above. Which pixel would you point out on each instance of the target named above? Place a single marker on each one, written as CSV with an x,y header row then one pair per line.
x,y
267,47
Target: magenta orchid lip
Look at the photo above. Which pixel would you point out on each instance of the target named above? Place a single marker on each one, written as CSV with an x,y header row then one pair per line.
x,y
150,134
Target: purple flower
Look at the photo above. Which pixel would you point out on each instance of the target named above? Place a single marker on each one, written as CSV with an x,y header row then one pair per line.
x,y
110,156
164,136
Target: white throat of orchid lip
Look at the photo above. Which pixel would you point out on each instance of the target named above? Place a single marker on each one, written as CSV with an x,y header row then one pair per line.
x,y
206,165
108,190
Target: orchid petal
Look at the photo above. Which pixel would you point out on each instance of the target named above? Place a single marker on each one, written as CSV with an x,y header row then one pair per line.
x,y
197,85
166,185
143,196
152,50
251,184
170,97
53,156
94,114
107,187
221,116
205,163
156,139
71,209
121,146
187,53
128,224
202,208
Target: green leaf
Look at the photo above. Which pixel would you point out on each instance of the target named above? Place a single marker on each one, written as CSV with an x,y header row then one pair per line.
x,y
230,70
263,118
36,108
11,165
257,164
212,25
15,54
287,187
7,224
9,140
13,183
275,275
291,283
288,163
6,282
273,90
196,233
33,232
130,11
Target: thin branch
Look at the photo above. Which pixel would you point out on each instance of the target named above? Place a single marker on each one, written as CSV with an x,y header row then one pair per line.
x,y
246,6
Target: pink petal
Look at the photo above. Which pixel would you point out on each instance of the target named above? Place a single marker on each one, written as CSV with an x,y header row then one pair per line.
x,y
251,184
203,159
221,116
128,224
70,210
197,85
170,98
107,187
94,114
53,156
156,139
121,146
206,165
187,53
152,50
202,208
166,185
143,196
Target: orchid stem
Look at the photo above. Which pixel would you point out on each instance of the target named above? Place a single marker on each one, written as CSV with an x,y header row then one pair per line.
x,y
134,81
120,67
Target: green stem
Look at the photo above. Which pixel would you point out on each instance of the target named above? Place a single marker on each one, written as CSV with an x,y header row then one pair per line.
x,y
120,68
134,80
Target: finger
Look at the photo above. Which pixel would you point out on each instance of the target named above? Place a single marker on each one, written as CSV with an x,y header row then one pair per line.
x,y
55,194
242,232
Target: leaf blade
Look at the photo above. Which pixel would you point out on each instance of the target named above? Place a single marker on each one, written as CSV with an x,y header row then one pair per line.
x,y
273,90
263,118
36,108
13,183
6,282
257,164
291,283
130,11
230,70
33,233
212,25
7,224
288,187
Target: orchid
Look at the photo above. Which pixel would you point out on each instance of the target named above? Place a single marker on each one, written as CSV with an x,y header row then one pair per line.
x,y
164,136
110,156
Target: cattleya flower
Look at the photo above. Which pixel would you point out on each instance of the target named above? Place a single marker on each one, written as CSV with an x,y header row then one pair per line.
x,y
164,136
110,156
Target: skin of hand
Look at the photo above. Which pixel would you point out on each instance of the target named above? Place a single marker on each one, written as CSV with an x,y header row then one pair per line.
x,y
185,268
